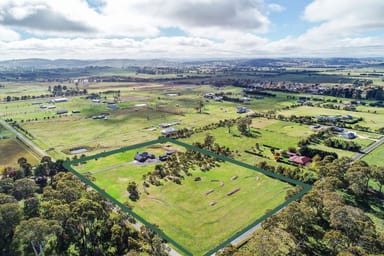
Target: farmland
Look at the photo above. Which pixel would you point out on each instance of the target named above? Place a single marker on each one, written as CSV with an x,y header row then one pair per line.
x,y
375,157
281,121
185,212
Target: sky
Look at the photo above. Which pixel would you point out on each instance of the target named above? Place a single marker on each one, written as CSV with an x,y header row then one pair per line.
x,y
193,29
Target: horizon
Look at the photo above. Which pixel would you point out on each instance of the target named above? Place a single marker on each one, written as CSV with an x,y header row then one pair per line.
x,y
190,29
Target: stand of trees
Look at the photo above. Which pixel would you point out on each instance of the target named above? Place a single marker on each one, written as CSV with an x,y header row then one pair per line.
x,y
342,144
330,220
64,217
181,164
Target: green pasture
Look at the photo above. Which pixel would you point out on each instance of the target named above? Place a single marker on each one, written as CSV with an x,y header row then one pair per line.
x,y
274,133
183,212
375,157
20,89
129,124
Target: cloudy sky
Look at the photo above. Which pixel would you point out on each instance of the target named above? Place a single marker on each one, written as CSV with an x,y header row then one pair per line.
x,y
97,29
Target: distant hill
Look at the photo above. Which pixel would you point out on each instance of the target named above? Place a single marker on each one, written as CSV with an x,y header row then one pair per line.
x,y
121,63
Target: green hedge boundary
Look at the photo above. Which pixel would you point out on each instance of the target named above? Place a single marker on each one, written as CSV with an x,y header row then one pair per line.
x,y
305,189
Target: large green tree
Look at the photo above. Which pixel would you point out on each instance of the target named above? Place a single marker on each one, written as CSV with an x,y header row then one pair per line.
x,y
33,234
10,216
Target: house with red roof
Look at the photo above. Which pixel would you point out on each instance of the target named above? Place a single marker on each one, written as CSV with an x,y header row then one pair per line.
x,y
301,160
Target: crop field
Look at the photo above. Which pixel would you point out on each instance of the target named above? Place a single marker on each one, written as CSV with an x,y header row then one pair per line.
x,y
198,215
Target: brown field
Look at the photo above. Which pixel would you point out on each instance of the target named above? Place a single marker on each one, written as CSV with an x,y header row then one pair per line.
x,y
11,151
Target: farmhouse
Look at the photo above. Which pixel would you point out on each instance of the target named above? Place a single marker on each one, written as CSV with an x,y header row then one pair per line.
x,y
209,95
301,160
348,135
241,110
168,131
142,157
347,117
337,129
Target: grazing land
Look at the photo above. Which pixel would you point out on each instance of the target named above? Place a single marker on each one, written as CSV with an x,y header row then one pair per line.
x,y
199,215
284,120
375,157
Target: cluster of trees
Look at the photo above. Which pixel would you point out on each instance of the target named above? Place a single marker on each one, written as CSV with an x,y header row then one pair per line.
x,y
330,220
26,97
244,125
20,128
297,173
63,90
371,93
311,152
181,164
316,137
325,136
259,92
342,144
65,217
233,99
133,191
186,132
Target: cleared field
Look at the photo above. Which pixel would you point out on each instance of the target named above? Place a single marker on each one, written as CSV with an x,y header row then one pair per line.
x,y
11,151
184,212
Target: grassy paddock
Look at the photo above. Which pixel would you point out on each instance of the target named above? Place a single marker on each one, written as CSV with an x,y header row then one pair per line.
x,y
183,212
375,157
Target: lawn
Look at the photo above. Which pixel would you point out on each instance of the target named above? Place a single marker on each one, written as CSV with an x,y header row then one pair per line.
x,y
183,212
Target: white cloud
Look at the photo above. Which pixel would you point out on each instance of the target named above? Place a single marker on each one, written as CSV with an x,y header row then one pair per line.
x,y
134,18
346,16
8,34
213,28
275,7
48,17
